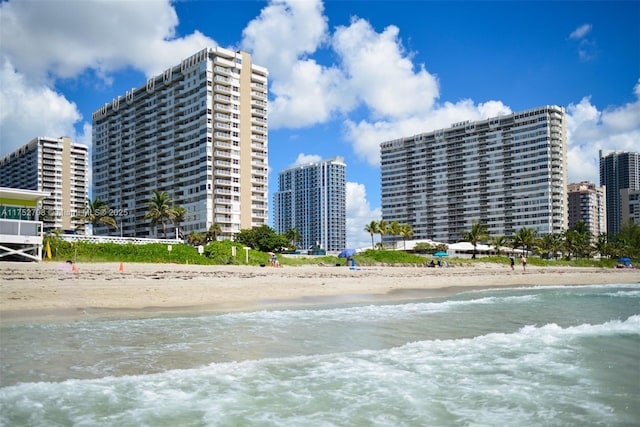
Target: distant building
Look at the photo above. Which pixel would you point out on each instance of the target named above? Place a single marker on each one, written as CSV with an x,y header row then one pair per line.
x,y
311,198
56,166
587,203
198,132
620,174
630,206
508,172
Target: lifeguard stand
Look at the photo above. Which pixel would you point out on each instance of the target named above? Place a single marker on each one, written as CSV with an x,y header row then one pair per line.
x,y
20,229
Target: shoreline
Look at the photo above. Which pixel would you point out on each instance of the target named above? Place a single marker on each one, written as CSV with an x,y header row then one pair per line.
x,y
51,291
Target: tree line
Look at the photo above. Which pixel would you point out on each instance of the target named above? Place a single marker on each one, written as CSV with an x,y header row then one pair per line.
x,y
576,242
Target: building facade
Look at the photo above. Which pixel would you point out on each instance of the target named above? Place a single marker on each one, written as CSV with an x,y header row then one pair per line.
x,y
58,167
198,132
619,171
630,206
587,203
311,199
507,172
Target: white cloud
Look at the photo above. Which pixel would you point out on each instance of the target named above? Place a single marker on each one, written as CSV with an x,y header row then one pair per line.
x,y
590,130
284,32
29,110
359,214
43,42
303,92
304,159
580,32
381,73
61,40
312,94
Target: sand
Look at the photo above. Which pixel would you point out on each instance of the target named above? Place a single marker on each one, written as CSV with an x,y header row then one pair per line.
x,y
49,290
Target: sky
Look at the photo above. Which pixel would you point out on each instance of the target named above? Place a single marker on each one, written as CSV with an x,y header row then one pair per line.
x,y
344,76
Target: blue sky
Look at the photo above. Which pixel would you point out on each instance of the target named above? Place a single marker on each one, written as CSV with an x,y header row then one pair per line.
x,y
344,75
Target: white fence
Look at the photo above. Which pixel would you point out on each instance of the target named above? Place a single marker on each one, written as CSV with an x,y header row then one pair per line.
x,y
119,240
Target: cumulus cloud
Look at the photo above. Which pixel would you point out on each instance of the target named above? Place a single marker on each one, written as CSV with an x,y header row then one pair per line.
x,y
381,72
303,92
580,32
45,40
311,94
590,130
359,214
285,32
304,159
30,110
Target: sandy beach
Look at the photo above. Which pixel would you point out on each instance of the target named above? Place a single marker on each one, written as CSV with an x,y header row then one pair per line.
x,y
31,291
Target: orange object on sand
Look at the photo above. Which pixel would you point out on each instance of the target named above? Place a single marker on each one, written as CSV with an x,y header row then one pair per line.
x,y
121,268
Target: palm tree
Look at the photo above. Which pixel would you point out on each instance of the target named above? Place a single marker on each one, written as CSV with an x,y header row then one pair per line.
x,y
161,210
525,238
551,244
372,228
213,232
394,230
406,231
196,238
578,240
179,216
293,236
95,213
478,233
383,228
498,243
602,245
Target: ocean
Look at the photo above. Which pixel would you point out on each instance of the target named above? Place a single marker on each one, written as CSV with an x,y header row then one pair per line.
x,y
541,356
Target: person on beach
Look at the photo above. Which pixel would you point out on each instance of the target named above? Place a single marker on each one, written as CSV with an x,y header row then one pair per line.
x,y
523,259
513,263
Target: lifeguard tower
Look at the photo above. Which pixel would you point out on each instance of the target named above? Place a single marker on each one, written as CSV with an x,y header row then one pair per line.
x,y
20,229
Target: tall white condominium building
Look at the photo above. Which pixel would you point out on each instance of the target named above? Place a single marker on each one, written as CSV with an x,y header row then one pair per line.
x,y
311,198
56,166
507,172
620,174
587,203
198,132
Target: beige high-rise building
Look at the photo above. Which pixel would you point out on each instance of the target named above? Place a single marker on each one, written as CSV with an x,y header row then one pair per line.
x,y
198,132
56,166
588,203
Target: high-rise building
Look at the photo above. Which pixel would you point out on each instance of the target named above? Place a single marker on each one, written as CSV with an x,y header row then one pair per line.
x,y
630,206
56,166
587,203
618,171
311,199
507,172
198,132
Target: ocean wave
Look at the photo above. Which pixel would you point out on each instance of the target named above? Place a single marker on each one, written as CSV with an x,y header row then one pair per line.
x,y
535,375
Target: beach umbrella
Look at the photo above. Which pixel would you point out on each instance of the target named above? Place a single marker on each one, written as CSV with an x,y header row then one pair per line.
x,y
441,254
346,253
624,259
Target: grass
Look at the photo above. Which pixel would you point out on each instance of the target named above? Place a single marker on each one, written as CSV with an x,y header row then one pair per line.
x,y
221,253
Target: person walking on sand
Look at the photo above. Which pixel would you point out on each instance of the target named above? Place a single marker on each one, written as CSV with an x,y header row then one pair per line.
x,y
523,259
513,263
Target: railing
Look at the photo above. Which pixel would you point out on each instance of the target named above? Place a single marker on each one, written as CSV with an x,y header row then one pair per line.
x,y
16,227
